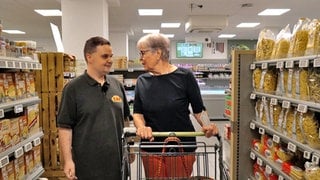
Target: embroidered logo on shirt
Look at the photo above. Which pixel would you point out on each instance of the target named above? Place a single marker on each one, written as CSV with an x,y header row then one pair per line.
x,y
116,98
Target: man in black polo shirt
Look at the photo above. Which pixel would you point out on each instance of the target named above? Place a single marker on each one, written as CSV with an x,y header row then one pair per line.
x,y
91,118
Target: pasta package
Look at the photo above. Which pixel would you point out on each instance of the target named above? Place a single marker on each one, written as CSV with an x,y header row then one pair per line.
x,y
282,44
299,132
256,77
312,171
310,129
281,125
265,115
275,111
314,84
258,110
293,75
268,81
265,45
290,119
299,39
313,46
302,88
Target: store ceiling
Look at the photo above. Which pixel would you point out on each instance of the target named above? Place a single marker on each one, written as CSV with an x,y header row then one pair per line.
x,y
19,14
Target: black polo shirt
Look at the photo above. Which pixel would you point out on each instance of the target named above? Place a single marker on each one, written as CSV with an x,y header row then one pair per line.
x,y
96,118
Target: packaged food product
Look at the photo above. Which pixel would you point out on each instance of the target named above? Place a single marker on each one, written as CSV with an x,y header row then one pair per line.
x,y
258,109
20,168
268,81
312,171
314,84
275,111
265,115
302,88
30,84
23,124
5,138
284,155
299,135
2,95
256,77
296,172
10,170
265,45
9,87
291,88
313,46
14,131
36,152
310,129
33,118
290,119
281,126
282,44
299,39
19,81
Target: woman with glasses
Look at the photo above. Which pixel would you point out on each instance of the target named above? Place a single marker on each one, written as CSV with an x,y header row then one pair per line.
x,y
162,99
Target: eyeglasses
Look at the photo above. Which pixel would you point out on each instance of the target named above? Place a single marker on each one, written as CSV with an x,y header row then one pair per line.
x,y
143,52
106,56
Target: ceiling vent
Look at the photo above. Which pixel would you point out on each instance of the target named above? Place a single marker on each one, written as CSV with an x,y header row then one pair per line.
x,y
206,23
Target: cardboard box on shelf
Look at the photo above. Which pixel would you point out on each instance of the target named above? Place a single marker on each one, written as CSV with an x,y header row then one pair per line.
x,y
28,160
11,171
20,84
30,84
9,86
33,119
20,168
3,173
36,155
5,138
23,124
15,131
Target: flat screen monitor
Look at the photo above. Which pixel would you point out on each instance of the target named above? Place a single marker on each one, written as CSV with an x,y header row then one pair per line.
x,y
189,50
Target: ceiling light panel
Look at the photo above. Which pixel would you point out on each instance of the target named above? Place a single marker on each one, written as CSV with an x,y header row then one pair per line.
x,y
149,31
150,12
169,35
13,32
273,12
49,12
226,36
247,25
170,25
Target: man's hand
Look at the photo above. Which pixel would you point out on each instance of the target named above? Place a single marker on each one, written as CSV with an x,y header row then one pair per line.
x,y
69,170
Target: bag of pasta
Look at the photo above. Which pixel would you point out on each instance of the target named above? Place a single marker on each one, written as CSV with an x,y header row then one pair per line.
x,y
289,122
302,88
268,81
256,77
282,44
293,76
258,109
313,46
310,129
299,38
312,171
265,45
299,132
265,116
314,84
281,125
275,111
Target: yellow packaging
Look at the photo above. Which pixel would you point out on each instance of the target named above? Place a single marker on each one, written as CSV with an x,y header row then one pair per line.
x,y
33,118
36,155
303,89
9,86
15,131
275,111
28,160
19,81
281,47
313,46
23,124
299,39
11,171
256,77
5,137
2,95
20,168
314,84
30,84
265,45
310,128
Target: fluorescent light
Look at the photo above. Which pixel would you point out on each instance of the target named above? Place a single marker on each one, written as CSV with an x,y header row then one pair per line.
x,y
49,12
247,25
149,31
273,12
170,25
13,32
57,37
150,12
169,35
226,35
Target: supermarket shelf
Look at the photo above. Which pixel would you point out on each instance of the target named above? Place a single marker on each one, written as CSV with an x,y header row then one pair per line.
x,y
24,102
36,173
275,167
296,60
128,70
19,63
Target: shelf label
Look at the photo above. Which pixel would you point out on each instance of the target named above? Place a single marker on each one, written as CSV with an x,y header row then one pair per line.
x,y
36,142
263,98
264,66
273,101
34,66
304,63
17,64
253,96
29,65
23,65
259,161
1,113
18,108
130,69
112,70
286,104
268,169
4,161
18,153
276,138
292,147
252,66
306,154
289,64
316,62
66,74
27,147
72,74
252,155
10,64
280,64
315,159
3,64
302,108
280,177
261,131
252,126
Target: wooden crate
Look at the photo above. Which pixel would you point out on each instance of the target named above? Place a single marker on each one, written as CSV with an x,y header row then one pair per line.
x,y
52,157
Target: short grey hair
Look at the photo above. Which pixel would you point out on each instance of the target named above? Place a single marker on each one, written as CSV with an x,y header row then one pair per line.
x,y
156,41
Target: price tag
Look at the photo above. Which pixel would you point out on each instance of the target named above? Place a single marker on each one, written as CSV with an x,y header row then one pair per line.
x,y
252,126
315,159
261,131
29,65
10,64
263,98
23,65
4,161
302,108
280,64
292,147
17,64
285,104
276,138
304,63
280,177
252,155
66,74
268,169
289,64
264,66
306,154
27,147
34,66
273,101
252,66
18,153
253,96
259,161
1,113
36,142
316,62
3,64
130,69
18,108
72,74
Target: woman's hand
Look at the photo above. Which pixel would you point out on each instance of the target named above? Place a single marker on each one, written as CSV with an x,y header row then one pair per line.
x,y
210,130
145,132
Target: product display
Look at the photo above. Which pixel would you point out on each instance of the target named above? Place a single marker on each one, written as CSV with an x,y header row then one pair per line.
x,y
299,39
265,45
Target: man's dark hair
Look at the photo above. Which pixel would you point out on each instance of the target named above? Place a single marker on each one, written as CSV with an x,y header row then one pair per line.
x,y
92,43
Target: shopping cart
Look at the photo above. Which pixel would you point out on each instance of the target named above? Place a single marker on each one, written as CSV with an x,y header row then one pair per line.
x,y
173,161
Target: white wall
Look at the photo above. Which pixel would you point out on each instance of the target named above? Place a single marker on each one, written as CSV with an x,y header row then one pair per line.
x,y
119,43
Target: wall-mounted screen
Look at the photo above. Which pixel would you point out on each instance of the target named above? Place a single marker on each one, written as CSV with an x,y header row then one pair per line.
x,y
189,50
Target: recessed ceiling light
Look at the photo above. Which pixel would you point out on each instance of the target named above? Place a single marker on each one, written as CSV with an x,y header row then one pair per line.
x,y
49,12
150,12
226,35
273,12
247,25
13,32
149,31
170,25
169,35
